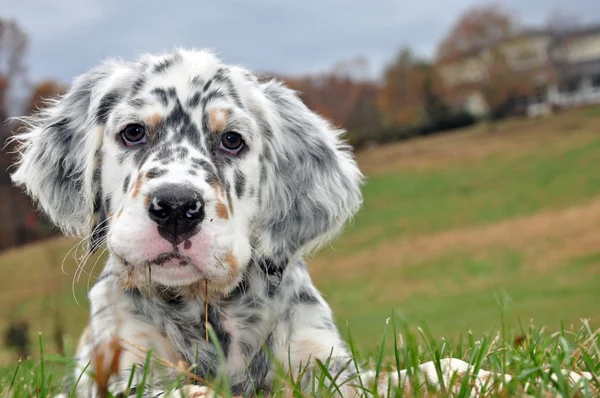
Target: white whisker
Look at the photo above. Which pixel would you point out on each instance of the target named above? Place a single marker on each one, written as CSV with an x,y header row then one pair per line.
x,y
82,261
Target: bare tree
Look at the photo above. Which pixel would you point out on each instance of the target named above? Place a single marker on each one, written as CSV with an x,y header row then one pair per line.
x,y
13,45
14,205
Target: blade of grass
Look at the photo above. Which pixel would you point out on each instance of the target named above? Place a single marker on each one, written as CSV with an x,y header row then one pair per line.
x,y
142,386
74,390
42,368
222,373
380,357
131,376
435,357
12,381
355,359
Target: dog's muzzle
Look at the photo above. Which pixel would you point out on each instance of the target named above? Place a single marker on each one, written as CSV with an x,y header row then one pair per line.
x,y
178,210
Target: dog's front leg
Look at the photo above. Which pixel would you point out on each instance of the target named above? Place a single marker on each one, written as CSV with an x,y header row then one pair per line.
x,y
309,337
117,341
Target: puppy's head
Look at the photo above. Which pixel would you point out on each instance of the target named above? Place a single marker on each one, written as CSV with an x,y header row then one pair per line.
x,y
188,169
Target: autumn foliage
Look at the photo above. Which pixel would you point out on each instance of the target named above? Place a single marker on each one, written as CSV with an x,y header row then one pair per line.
x,y
479,27
408,90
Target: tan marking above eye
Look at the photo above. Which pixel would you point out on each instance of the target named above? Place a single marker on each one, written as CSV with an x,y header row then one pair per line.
x,y
222,211
146,201
217,120
153,120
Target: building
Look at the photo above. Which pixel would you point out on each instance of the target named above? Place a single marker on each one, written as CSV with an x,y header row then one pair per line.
x,y
546,71
576,59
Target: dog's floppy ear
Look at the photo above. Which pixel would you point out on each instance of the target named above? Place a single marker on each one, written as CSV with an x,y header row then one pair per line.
x,y
310,179
59,163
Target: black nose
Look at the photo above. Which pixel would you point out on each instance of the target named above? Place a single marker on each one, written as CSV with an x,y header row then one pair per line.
x,y
178,211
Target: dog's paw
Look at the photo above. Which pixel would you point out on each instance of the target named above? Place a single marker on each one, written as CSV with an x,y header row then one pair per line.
x,y
453,371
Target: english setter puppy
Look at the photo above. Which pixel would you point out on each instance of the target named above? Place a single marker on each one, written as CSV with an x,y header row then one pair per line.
x,y
207,186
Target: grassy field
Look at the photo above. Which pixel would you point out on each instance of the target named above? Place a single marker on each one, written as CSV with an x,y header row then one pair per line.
x,y
452,226
451,223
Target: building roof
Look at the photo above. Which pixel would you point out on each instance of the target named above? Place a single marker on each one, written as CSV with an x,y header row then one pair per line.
x,y
576,33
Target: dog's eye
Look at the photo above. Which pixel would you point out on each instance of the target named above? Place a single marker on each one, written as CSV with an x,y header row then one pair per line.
x,y
232,142
133,134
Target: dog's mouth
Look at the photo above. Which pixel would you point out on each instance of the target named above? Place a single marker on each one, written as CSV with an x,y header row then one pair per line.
x,y
171,258
174,269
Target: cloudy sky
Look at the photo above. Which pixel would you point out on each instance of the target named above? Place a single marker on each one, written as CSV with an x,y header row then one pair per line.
x,y
287,36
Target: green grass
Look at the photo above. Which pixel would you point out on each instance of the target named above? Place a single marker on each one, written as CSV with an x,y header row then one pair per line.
x,y
409,202
455,293
534,359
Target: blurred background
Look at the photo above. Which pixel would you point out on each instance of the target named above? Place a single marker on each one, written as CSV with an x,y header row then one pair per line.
x,y
477,125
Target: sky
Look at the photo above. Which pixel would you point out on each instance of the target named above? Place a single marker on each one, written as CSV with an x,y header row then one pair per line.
x,y
67,37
